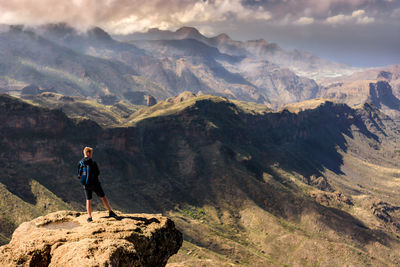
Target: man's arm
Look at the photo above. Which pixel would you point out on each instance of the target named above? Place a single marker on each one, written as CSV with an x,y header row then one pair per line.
x,y
79,168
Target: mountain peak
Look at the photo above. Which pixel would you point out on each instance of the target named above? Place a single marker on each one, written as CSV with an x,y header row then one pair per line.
x,y
306,105
189,32
187,29
58,29
264,45
155,30
99,34
258,42
223,37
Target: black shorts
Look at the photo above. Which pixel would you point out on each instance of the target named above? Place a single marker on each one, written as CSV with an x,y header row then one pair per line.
x,y
96,188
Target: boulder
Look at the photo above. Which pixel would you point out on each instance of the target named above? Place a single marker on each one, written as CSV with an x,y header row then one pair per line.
x,y
65,238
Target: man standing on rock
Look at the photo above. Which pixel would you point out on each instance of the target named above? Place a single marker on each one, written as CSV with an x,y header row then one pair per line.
x,y
88,166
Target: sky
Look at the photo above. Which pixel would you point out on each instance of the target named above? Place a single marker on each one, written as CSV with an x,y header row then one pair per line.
x,y
363,33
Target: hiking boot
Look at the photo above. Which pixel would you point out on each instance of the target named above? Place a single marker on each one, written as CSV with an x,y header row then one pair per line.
x,y
89,219
112,214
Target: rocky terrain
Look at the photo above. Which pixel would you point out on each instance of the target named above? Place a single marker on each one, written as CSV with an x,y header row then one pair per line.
x,y
315,183
379,86
390,74
64,238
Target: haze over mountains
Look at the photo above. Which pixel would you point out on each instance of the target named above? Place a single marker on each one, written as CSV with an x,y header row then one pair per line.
x,y
261,156
304,64
184,60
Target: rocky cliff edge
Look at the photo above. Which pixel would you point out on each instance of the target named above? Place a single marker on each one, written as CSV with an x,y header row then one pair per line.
x,y
64,238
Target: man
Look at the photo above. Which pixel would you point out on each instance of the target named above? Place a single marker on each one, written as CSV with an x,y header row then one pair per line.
x,y
93,183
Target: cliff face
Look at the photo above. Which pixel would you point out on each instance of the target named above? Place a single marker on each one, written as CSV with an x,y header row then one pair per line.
x,y
64,238
381,94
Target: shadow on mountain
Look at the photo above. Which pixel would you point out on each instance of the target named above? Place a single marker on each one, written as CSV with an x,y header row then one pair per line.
x,y
308,142
281,199
193,163
381,94
229,77
19,186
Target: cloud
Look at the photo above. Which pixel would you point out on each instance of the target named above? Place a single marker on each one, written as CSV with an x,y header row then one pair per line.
x,y
220,10
318,8
396,13
122,16
358,16
365,20
329,11
304,21
338,19
358,13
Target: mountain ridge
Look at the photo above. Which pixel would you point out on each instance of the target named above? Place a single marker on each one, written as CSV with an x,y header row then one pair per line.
x,y
302,63
100,67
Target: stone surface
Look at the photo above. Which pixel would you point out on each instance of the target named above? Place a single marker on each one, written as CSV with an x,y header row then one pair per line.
x,y
150,100
65,238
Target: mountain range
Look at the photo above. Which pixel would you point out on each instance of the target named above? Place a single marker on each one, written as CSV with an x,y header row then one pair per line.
x,y
302,63
161,64
61,59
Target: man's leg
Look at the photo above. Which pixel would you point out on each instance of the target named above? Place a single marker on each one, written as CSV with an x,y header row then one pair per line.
x,y
88,194
99,191
110,212
105,201
89,207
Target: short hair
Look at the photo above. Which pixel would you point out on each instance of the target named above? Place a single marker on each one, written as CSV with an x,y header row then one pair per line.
x,y
87,149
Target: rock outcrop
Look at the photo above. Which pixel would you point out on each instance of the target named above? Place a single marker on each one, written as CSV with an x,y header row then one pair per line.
x,y
64,238
381,93
387,214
